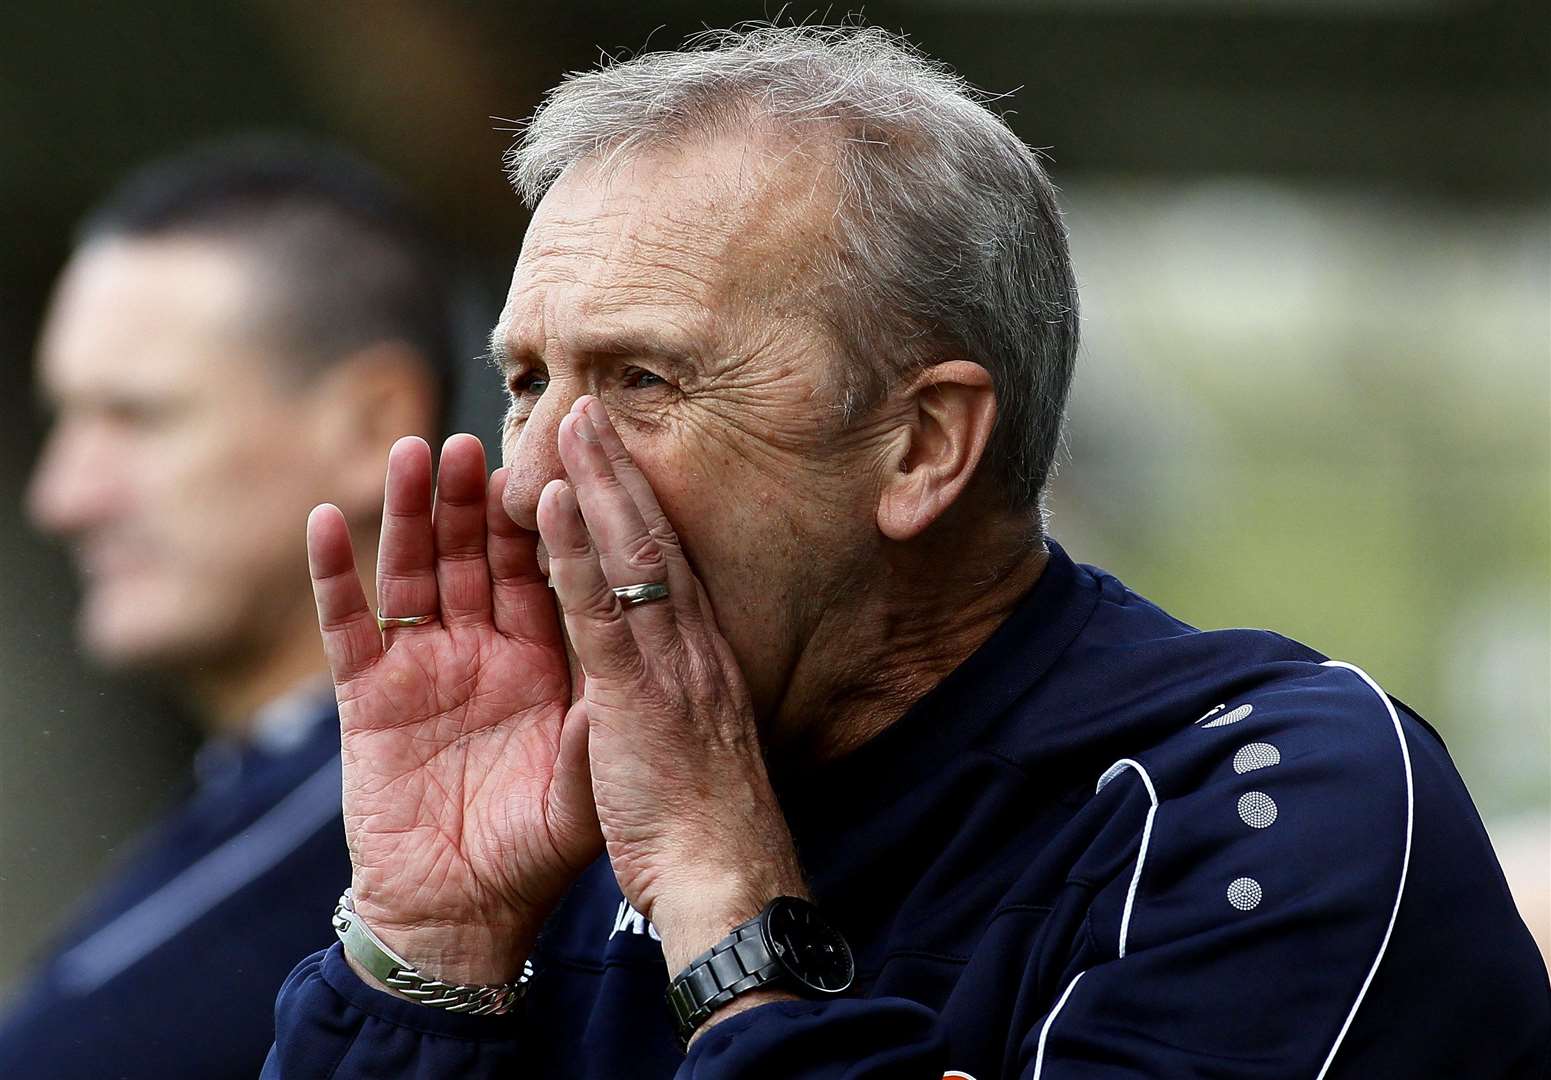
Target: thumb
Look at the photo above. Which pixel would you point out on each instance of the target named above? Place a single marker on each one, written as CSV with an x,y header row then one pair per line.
x,y
571,811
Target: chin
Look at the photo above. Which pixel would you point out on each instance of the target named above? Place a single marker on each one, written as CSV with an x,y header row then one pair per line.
x,y
129,637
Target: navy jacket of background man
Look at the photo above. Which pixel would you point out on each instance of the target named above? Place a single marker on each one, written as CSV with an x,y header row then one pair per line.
x,y
1108,845
169,970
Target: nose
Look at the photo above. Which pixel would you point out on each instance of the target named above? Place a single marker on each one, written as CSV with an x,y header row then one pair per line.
x,y
72,484
532,455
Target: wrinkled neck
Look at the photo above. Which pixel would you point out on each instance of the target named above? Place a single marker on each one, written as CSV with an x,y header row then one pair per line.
x,y
888,639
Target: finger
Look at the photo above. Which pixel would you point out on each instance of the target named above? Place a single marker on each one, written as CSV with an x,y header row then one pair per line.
x,y
521,602
573,664
570,809
406,553
594,619
627,551
458,527
350,639
682,586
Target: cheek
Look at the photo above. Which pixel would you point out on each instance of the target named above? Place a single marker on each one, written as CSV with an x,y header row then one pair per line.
x,y
182,489
221,453
734,511
737,531
239,497
749,508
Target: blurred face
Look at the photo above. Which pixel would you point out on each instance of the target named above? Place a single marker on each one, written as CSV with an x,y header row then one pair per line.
x,y
178,464
657,289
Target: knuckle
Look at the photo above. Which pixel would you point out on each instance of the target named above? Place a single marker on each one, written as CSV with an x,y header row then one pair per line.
x,y
606,484
459,500
568,547
643,553
387,577
664,536
601,606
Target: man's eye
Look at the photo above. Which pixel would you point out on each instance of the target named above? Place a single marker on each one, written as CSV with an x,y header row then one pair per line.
x,y
640,377
529,382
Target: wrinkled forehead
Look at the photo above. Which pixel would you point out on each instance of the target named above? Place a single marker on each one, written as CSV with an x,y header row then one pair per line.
x,y
726,224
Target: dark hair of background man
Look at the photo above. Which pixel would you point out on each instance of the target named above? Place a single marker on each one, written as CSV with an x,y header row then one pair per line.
x,y
347,259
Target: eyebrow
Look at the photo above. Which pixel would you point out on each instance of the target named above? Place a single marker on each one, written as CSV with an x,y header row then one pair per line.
x,y
636,341
615,342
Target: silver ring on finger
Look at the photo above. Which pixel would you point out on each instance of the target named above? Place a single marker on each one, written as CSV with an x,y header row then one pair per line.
x,y
644,593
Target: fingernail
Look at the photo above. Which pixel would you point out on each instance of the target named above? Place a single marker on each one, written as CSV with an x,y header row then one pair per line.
x,y
583,428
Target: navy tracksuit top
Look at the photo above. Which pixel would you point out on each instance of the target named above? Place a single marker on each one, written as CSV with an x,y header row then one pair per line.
x,y
169,971
1108,845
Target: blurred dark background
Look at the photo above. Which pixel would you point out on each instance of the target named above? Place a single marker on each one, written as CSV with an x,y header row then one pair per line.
x,y
1315,243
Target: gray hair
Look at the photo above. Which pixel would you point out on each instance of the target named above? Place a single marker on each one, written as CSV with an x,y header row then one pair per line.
x,y
949,242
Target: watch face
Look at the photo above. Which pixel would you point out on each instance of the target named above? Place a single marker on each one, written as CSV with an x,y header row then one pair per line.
x,y
812,951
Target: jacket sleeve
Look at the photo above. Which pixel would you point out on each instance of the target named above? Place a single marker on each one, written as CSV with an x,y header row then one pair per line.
x,y
329,1025
868,1039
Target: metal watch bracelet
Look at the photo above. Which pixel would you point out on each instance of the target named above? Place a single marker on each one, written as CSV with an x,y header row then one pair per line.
x,y
737,964
368,950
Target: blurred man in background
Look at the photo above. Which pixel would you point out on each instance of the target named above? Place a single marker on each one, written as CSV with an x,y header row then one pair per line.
x,y
240,333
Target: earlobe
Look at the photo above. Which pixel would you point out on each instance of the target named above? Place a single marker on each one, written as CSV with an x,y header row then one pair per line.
x,y
948,427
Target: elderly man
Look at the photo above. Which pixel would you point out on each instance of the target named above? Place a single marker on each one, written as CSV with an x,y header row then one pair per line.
x,y
884,783
241,332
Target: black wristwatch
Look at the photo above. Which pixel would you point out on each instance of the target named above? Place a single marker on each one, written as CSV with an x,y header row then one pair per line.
x,y
789,944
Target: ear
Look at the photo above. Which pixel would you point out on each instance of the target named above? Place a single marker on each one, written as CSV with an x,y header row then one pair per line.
x,y
946,424
362,404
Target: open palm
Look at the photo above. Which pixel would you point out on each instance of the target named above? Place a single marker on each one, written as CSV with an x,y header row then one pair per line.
x,y
466,794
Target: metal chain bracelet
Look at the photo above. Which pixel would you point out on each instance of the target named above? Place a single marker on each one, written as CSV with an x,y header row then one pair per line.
x,y
368,950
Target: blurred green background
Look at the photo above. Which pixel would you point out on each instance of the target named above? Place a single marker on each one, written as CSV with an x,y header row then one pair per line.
x,y
1314,240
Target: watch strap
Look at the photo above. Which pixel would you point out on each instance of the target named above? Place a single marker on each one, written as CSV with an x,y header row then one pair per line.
x,y
737,964
391,969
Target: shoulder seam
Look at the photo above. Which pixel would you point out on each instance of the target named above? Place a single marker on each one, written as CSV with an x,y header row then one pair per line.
x,y
1405,861
1141,853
